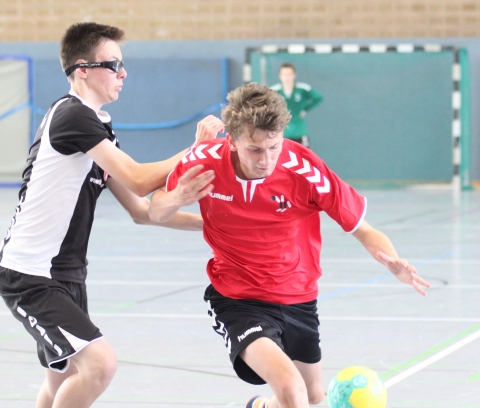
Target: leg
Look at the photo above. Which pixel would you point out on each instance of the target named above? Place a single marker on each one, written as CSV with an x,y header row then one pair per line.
x,y
50,386
312,375
269,361
95,364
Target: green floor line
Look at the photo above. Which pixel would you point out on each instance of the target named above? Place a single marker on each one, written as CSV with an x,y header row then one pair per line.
x,y
474,377
12,336
427,353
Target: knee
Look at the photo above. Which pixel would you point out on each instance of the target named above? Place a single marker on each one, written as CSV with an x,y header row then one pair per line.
x,y
315,397
99,368
292,391
103,370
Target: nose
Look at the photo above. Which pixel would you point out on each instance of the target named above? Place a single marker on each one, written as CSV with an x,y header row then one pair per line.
x,y
123,73
265,158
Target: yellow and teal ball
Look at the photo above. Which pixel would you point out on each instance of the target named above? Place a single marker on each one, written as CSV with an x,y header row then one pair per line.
x,y
357,387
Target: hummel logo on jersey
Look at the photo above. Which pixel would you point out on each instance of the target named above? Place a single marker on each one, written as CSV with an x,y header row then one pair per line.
x,y
221,196
249,331
283,204
316,178
197,152
98,182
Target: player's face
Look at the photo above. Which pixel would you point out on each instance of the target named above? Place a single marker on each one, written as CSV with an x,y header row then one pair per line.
x,y
105,83
287,76
256,158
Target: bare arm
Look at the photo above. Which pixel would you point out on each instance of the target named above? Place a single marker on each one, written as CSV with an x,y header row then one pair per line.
x,y
381,248
191,187
142,179
137,207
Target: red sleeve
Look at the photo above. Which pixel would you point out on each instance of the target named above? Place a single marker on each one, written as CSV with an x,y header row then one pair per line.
x,y
338,199
182,166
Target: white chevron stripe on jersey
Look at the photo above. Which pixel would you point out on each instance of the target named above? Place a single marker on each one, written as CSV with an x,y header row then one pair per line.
x,y
325,188
213,151
184,160
316,177
199,153
194,153
192,156
306,167
293,161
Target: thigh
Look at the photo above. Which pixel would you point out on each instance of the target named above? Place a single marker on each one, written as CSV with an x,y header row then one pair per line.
x,y
49,311
301,337
270,362
240,323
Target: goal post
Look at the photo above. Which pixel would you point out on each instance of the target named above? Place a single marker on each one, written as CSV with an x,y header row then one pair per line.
x,y
391,115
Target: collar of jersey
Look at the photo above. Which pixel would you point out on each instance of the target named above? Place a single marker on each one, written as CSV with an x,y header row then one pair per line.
x,y
102,115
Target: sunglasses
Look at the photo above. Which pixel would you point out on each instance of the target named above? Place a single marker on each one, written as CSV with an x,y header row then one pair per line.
x,y
115,66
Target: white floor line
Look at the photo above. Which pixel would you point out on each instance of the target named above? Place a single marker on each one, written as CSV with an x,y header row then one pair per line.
x,y
416,368
395,285
322,318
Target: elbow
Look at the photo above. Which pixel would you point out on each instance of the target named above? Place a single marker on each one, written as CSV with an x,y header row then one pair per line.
x,y
139,221
155,216
140,190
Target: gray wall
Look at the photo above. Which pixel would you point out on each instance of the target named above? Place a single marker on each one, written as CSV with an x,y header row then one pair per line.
x,y
235,51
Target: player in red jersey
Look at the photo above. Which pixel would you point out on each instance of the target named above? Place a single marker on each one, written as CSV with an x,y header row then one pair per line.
x,y
261,219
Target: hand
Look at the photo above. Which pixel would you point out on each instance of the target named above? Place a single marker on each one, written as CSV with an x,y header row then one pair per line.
x,y
302,114
404,272
208,128
192,186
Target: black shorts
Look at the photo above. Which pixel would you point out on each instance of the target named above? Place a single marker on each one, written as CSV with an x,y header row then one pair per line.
x,y
55,313
295,328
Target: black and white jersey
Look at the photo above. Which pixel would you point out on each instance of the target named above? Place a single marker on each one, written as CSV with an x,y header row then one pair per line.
x,y
49,232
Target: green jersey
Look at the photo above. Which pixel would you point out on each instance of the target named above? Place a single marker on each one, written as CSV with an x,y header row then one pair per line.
x,y
302,99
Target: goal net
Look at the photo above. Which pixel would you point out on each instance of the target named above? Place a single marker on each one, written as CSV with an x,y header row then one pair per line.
x,y
390,115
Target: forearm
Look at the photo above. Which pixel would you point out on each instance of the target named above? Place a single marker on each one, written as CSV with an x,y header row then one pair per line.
x,y
162,209
152,176
375,241
314,100
183,221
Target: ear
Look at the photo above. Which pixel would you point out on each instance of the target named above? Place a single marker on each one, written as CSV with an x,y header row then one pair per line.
x,y
81,72
231,142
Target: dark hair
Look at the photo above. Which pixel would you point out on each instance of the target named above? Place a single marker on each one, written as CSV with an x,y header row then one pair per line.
x,y
254,106
287,65
82,40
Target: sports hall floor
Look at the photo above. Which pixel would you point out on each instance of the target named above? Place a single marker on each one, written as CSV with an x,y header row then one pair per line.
x,y
146,294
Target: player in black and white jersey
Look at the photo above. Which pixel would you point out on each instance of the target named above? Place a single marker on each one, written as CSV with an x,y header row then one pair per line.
x,y
43,262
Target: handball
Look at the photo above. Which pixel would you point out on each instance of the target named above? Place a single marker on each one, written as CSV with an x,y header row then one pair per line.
x,y
357,387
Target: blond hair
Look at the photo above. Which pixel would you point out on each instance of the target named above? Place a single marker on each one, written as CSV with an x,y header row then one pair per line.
x,y
254,106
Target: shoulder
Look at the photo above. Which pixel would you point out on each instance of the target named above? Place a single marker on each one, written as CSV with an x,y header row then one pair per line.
x,y
303,85
302,163
208,152
276,87
294,149
73,113
74,105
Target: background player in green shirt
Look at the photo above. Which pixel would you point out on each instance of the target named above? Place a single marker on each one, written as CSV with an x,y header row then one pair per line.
x,y
300,98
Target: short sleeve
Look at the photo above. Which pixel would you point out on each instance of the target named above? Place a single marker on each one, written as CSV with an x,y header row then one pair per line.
x,y
338,199
75,128
175,174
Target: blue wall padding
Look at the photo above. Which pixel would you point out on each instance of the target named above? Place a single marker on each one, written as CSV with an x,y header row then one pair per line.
x,y
155,91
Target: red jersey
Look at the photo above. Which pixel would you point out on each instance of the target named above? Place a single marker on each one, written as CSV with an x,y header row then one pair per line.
x,y
265,233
